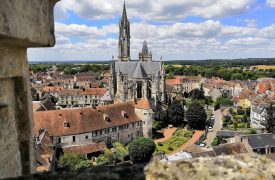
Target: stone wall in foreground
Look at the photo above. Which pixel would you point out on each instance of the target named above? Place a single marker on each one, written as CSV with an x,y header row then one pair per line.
x,y
23,24
246,167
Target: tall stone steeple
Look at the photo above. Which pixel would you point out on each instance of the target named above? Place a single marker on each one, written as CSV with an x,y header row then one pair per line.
x,y
124,37
145,54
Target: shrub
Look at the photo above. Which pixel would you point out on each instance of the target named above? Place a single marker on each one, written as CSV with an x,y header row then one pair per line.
x,y
160,144
141,149
241,111
73,161
217,141
253,131
108,157
235,125
121,151
188,134
170,148
241,125
248,125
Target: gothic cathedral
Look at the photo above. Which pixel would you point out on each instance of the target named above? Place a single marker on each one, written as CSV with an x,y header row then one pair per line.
x,y
136,79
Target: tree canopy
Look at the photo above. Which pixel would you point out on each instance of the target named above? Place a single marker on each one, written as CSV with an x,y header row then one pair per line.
x,y
73,161
196,116
176,114
141,149
269,120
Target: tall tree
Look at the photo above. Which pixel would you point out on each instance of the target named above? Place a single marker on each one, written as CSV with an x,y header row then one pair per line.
x,y
196,116
269,122
176,114
141,149
197,94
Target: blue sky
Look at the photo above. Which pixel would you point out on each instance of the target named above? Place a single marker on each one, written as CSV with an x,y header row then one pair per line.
x,y
177,30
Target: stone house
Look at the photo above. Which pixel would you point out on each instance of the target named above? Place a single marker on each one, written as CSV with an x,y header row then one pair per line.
x,y
257,115
262,143
81,97
75,127
52,90
144,110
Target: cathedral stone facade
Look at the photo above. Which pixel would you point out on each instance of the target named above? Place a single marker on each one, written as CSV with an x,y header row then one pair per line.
x,y
135,79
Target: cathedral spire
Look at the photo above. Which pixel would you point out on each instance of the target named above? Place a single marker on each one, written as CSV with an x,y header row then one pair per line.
x,y
145,48
124,37
124,13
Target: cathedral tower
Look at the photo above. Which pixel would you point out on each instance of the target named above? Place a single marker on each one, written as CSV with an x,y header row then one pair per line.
x,y
145,54
124,37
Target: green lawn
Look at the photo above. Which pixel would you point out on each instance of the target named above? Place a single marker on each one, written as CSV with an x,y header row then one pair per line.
x,y
180,137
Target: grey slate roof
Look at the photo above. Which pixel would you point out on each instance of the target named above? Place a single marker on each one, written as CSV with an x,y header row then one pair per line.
x,y
226,133
258,109
107,97
139,72
261,140
131,68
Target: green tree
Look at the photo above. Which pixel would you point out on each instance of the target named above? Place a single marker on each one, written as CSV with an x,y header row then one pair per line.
x,y
74,161
107,158
196,116
237,76
176,114
121,151
141,149
197,94
269,120
170,75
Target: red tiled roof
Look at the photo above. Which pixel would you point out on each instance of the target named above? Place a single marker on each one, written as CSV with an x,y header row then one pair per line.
x,y
94,91
143,104
35,105
84,120
87,148
53,88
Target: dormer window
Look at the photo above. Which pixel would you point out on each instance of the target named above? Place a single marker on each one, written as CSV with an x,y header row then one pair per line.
x,y
106,118
124,114
66,124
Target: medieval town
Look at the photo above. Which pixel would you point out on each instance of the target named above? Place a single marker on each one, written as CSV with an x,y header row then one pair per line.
x,y
140,109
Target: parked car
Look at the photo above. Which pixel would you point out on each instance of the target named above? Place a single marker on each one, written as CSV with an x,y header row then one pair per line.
x,y
211,123
202,144
210,128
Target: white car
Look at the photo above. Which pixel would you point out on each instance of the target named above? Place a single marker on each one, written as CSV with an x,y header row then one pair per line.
x,y
210,129
202,144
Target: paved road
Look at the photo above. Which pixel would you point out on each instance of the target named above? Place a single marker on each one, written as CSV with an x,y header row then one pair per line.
x,y
217,126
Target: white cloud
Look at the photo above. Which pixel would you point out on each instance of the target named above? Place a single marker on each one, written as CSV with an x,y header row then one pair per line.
x,y
161,10
84,30
270,3
208,39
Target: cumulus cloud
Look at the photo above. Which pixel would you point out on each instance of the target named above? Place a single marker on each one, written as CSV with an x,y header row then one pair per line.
x,y
161,10
84,30
173,39
270,3
208,39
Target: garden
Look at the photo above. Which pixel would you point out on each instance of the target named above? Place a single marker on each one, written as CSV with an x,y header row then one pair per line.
x,y
238,120
180,137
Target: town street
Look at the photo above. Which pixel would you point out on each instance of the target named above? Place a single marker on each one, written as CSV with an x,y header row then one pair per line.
x,y
217,126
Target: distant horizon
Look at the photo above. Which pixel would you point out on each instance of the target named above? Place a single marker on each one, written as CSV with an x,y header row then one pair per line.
x,y
87,30
269,58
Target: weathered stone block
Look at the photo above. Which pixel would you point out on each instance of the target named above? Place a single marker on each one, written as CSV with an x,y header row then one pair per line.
x,y
23,24
27,23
